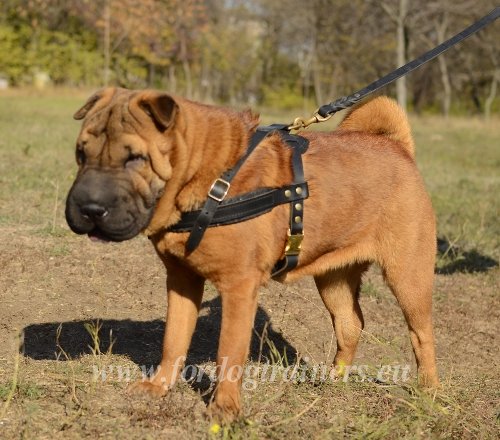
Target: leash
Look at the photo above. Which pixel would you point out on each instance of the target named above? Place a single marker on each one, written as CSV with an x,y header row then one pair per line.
x,y
326,111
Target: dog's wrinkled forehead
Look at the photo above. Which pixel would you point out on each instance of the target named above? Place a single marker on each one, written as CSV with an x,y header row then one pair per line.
x,y
109,115
109,129
120,124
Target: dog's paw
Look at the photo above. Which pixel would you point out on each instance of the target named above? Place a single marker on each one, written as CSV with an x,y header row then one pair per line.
x,y
147,388
428,381
338,371
225,408
222,415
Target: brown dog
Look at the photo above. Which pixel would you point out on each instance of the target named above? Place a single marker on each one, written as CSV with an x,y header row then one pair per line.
x,y
144,157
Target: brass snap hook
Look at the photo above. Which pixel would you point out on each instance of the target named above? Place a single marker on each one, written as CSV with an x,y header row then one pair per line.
x,y
301,123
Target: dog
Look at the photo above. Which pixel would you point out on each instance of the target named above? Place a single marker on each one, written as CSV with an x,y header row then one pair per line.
x,y
145,157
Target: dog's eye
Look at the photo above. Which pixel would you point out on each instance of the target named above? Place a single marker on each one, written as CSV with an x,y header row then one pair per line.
x,y
135,159
80,156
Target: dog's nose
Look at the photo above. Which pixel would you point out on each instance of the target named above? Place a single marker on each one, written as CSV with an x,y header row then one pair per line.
x,y
93,210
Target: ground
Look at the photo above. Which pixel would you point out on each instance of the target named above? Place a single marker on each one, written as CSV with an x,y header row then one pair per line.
x,y
79,319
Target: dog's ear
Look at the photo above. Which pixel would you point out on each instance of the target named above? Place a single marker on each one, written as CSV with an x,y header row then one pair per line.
x,y
161,108
251,119
82,112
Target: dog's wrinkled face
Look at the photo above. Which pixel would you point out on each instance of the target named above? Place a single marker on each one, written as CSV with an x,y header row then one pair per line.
x,y
123,157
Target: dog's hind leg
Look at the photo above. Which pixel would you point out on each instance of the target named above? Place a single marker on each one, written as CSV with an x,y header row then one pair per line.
x,y
410,274
339,290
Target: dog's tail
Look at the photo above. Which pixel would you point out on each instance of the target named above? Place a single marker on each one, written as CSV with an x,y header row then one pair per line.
x,y
382,116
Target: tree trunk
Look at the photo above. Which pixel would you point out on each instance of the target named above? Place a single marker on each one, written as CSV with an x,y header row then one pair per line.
x,y
305,61
492,94
445,79
185,65
151,74
204,82
187,76
172,79
107,42
401,90
443,67
318,89
399,18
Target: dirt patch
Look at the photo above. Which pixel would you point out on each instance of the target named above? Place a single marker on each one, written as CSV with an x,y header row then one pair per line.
x,y
56,284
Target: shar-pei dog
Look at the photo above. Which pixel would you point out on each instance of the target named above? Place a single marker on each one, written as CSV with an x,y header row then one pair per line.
x,y
146,157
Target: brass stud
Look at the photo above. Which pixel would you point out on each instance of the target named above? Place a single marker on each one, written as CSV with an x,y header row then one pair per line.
x,y
288,193
298,207
298,190
298,219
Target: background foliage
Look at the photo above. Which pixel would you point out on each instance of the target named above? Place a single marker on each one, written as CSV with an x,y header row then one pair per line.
x,y
285,53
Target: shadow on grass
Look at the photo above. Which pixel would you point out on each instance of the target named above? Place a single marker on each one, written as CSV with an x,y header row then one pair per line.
x,y
451,259
141,341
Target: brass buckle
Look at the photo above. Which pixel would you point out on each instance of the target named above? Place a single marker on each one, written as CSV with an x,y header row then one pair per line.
x,y
293,244
216,192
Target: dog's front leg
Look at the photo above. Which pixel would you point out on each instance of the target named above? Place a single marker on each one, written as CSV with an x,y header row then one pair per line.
x,y
184,295
239,305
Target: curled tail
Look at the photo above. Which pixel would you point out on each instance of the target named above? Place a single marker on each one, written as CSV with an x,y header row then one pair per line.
x,y
383,116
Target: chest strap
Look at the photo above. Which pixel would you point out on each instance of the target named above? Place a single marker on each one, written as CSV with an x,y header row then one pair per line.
x,y
218,211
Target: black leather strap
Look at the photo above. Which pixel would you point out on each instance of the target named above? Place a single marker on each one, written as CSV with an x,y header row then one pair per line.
x,y
290,260
220,188
348,101
286,264
245,207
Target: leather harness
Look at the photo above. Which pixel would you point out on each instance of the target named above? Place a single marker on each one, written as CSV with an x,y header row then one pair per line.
x,y
219,211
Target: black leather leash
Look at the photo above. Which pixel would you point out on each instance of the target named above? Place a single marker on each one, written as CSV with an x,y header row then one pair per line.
x,y
218,211
328,110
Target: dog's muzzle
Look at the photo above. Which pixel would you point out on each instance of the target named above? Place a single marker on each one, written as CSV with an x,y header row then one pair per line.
x,y
104,205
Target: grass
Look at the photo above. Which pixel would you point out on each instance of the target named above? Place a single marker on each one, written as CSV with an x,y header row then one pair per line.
x,y
35,151
460,161
76,303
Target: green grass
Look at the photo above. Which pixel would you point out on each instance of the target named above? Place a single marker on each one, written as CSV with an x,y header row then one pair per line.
x,y
36,151
460,161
